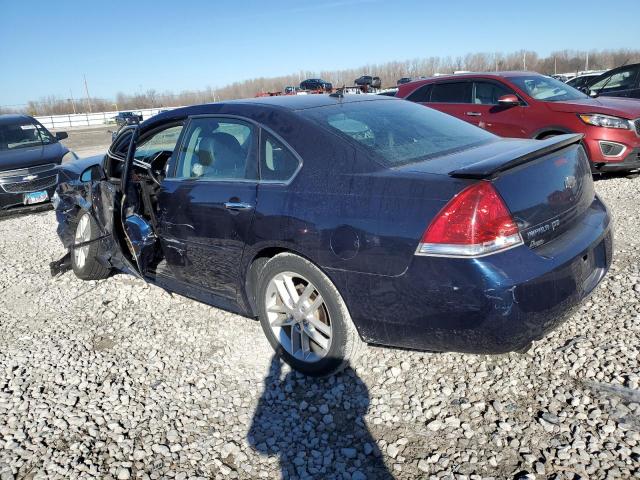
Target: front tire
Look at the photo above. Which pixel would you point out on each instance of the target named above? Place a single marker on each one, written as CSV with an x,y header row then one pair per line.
x,y
84,259
304,317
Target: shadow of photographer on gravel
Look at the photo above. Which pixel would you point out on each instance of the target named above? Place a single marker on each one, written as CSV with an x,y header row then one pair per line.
x,y
316,426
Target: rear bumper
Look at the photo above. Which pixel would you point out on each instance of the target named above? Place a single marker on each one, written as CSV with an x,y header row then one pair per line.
x,y
493,304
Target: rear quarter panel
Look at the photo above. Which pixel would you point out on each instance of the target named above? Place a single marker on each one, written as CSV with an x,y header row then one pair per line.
x,y
349,220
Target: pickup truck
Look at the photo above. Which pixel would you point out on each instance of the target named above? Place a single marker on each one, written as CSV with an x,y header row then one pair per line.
x,y
127,118
368,81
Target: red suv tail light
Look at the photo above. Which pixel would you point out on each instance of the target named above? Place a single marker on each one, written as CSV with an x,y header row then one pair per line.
x,y
474,223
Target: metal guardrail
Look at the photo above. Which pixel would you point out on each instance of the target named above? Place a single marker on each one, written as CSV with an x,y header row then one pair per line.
x,y
55,122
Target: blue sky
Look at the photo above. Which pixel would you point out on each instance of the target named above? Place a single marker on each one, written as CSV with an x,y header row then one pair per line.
x,y
46,47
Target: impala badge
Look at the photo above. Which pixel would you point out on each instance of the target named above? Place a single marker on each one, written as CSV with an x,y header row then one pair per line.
x,y
570,182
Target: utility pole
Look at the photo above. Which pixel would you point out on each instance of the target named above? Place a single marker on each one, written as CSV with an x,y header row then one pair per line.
x,y
86,89
524,60
586,67
555,65
73,103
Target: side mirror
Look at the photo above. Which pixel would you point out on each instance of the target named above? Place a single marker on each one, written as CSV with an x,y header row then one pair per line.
x,y
593,93
509,100
92,174
62,135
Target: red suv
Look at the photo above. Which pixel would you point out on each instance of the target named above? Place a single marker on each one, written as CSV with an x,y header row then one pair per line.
x,y
530,105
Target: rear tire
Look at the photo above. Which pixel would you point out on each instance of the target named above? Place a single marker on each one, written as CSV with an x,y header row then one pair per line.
x,y
304,317
84,260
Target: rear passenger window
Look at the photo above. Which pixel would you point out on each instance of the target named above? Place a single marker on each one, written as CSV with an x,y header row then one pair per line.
x,y
277,162
420,95
488,93
459,92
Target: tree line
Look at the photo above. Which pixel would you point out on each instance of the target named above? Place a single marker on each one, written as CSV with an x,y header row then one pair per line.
x,y
565,61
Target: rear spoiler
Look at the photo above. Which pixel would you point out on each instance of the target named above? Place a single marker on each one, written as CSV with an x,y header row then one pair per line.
x,y
504,161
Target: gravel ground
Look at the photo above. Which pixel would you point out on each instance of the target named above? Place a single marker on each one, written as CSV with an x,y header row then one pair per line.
x,y
117,379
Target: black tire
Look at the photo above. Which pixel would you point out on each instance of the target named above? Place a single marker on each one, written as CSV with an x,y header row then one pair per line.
x,y
91,269
548,135
345,345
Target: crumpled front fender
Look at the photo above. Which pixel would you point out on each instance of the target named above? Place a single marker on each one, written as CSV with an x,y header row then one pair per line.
x,y
98,198
69,199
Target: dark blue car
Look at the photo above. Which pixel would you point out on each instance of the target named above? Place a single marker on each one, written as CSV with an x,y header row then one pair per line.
x,y
338,220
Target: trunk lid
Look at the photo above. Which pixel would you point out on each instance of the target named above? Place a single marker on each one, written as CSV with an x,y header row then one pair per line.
x,y
547,185
548,195
547,189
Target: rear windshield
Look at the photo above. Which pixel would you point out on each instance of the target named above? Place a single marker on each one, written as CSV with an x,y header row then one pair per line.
x,y
23,134
398,132
546,89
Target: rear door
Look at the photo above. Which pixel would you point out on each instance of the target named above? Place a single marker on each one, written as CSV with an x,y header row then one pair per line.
x,y
453,98
207,202
487,113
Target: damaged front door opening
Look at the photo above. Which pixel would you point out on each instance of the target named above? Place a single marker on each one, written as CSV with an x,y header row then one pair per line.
x,y
144,171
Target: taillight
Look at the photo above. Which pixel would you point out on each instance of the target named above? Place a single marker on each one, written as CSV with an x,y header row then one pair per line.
x,y
474,223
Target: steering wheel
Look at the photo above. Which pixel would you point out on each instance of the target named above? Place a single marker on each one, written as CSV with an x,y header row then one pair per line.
x,y
150,170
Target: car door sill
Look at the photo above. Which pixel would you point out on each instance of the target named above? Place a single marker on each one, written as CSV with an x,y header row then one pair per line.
x,y
173,285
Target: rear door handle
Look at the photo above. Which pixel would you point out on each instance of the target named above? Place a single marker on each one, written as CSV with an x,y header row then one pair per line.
x,y
473,114
237,206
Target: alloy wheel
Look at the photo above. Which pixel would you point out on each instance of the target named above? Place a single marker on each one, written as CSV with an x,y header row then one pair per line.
x,y
83,234
298,316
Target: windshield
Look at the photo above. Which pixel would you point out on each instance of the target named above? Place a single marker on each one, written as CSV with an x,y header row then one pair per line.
x,y
396,132
547,89
23,134
622,80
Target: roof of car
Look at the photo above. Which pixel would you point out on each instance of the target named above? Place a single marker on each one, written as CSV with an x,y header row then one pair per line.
x,y
8,118
302,102
505,74
592,74
286,102
291,103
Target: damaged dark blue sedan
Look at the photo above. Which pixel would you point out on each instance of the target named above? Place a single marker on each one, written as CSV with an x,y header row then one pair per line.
x,y
338,220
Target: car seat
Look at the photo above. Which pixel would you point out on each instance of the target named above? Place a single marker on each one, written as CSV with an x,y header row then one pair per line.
x,y
221,155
